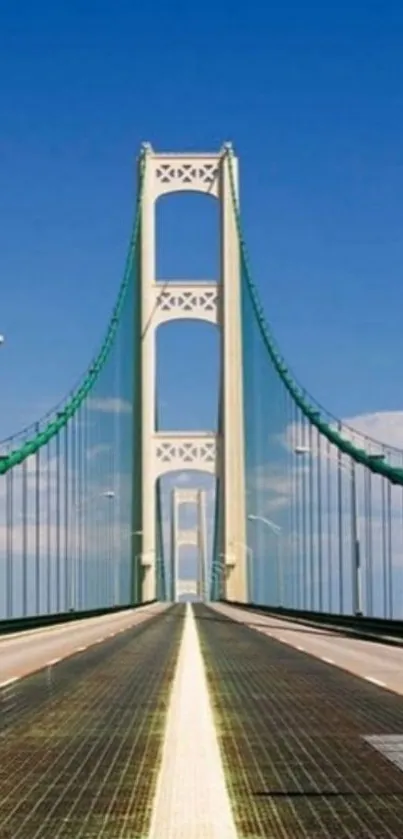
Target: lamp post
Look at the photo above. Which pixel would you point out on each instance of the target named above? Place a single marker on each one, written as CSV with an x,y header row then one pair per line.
x,y
277,531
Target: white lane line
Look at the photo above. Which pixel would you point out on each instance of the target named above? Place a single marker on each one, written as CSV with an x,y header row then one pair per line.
x,y
9,682
191,798
52,662
375,681
327,660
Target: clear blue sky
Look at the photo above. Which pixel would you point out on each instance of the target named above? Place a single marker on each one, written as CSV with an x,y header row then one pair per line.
x,y
311,96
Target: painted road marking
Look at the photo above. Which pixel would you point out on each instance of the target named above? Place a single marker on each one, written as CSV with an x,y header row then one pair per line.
x,y
191,798
375,681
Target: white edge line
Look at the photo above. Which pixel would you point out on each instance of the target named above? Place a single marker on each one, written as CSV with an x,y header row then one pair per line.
x,y
375,681
327,660
9,682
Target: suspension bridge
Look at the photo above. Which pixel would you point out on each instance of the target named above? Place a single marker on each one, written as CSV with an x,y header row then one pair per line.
x,y
272,707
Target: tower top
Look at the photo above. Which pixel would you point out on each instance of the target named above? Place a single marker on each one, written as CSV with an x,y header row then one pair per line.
x,y
147,148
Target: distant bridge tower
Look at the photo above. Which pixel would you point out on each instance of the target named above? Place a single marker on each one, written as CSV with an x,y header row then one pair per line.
x,y
195,536
217,301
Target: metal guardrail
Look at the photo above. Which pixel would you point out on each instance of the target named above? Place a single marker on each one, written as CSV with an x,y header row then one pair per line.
x,y
358,624
39,621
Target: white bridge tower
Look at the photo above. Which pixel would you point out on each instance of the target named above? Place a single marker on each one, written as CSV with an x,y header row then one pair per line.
x,y
217,301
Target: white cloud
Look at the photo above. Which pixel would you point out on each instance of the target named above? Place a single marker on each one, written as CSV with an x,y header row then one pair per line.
x,y
96,451
110,405
272,483
382,426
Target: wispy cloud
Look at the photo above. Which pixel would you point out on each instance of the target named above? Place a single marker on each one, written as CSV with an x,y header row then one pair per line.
x,y
96,451
110,405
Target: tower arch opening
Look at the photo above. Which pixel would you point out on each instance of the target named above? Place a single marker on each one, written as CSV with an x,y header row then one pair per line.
x,y
187,362
187,237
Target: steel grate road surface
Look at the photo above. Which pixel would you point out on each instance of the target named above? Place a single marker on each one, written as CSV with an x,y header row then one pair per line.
x,y
80,742
291,731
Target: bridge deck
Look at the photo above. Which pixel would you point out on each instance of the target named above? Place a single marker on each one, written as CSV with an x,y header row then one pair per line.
x,y
293,735
118,742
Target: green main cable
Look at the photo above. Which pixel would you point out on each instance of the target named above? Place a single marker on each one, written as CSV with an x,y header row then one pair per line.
x,y
379,467
63,416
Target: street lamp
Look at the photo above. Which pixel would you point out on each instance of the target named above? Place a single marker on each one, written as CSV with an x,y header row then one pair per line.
x,y
299,450
277,530
271,524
